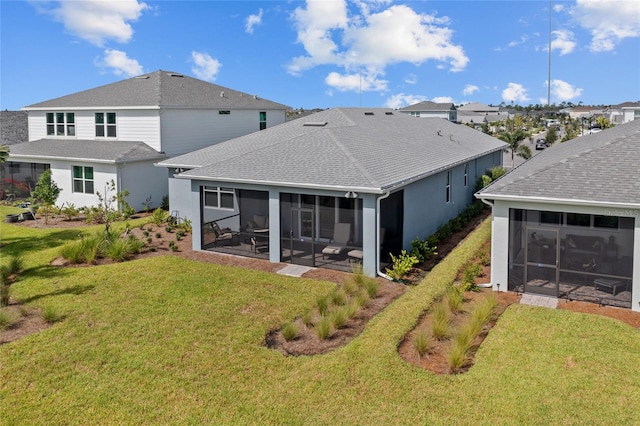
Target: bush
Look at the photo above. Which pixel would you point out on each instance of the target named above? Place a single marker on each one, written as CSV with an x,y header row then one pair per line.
x,y
15,266
457,356
324,328
423,342
186,225
338,317
5,294
159,216
455,297
338,297
289,331
118,250
371,286
423,249
50,314
6,319
402,264
440,326
307,318
322,303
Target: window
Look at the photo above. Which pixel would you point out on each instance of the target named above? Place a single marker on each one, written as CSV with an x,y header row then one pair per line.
x,y
83,179
61,124
466,174
551,218
224,112
448,187
610,222
105,124
578,219
263,120
219,198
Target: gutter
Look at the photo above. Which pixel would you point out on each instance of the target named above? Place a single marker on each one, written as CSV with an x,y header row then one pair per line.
x,y
378,248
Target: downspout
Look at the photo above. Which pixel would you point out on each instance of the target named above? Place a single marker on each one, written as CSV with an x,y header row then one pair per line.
x,y
378,242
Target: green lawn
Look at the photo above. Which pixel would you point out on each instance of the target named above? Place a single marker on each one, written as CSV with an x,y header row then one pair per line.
x,y
165,340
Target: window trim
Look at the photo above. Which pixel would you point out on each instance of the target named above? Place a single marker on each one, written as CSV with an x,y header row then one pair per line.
x,y
53,124
219,193
448,187
106,126
263,120
82,179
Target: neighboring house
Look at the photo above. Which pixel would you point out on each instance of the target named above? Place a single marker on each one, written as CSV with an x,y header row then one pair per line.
x,y
427,109
118,131
374,179
476,114
567,222
630,111
13,130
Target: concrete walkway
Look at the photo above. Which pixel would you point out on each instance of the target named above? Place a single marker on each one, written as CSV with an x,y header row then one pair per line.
x,y
535,300
294,270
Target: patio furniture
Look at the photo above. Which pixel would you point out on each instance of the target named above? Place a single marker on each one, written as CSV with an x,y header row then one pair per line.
x,y
341,236
259,223
610,286
355,255
258,243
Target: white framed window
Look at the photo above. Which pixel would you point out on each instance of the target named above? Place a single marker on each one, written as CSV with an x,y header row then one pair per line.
x,y
466,174
83,179
263,120
218,198
105,124
61,124
448,186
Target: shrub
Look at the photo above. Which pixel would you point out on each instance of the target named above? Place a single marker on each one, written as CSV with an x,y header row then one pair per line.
x,y
168,228
158,235
70,211
457,356
402,264
484,257
338,317
423,342
470,272
186,225
73,252
338,297
289,331
149,240
422,249
50,314
145,233
164,204
135,245
372,286
15,266
322,303
307,318
152,249
350,287
324,328
352,309
5,294
362,298
483,311
455,297
118,250
440,326
159,216
6,319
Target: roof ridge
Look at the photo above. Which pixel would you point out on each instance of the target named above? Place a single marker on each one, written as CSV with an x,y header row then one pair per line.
x,y
352,159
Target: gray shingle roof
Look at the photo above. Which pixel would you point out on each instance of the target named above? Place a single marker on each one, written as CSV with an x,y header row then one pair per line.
x,y
429,106
13,127
599,168
87,150
160,89
355,150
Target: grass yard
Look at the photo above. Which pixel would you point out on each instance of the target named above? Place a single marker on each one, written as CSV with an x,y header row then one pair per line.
x,y
165,340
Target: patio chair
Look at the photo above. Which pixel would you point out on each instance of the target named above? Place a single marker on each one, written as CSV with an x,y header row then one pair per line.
x,y
224,235
341,235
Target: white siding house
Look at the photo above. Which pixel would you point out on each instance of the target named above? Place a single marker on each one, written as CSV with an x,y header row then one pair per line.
x,y
117,131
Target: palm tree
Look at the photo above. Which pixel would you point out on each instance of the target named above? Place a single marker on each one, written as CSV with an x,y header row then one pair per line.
x,y
4,153
515,139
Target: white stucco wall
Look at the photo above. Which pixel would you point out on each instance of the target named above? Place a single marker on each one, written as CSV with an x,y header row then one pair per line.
x,y
143,180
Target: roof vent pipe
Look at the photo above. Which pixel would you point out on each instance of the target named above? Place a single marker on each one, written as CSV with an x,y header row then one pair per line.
x,y
222,94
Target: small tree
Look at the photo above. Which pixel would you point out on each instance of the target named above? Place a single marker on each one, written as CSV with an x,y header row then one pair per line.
x,y
4,153
46,192
552,136
112,206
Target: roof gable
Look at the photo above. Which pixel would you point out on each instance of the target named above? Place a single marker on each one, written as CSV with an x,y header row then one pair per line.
x,y
160,89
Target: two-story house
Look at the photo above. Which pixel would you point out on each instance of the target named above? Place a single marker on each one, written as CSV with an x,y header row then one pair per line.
x,y
428,109
118,131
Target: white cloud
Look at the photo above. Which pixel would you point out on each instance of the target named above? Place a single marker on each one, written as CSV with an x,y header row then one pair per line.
x,y
558,7
252,21
96,21
515,93
205,67
411,79
470,89
443,100
120,63
563,41
401,100
563,91
370,41
608,21
523,39
365,82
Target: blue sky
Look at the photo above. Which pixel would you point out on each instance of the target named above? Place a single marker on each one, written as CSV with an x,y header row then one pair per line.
x,y
329,53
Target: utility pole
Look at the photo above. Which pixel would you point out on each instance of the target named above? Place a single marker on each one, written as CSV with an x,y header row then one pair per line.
x,y
549,75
